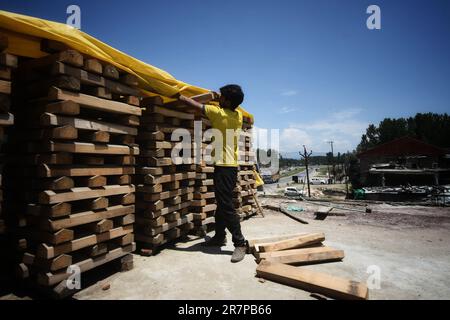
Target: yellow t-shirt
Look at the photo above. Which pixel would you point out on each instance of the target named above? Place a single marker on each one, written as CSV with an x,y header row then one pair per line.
x,y
223,119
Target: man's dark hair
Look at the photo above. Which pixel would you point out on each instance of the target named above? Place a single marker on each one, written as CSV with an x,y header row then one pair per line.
x,y
232,93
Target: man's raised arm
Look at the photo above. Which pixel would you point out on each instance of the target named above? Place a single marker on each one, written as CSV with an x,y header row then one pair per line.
x,y
197,106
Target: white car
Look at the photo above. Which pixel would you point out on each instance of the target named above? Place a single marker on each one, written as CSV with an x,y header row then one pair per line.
x,y
317,181
292,192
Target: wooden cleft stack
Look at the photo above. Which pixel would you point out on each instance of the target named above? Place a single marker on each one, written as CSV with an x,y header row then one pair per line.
x,y
71,157
246,185
165,188
8,63
204,203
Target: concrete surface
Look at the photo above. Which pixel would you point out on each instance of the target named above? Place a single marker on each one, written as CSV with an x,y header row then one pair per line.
x,y
413,259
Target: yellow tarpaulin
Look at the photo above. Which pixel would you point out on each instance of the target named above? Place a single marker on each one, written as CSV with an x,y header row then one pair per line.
x,y
24,33
258,180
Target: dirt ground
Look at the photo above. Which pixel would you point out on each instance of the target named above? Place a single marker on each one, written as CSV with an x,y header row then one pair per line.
x,y
409,246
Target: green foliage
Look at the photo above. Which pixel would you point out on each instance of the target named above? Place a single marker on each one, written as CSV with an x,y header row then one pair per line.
x,y
432,128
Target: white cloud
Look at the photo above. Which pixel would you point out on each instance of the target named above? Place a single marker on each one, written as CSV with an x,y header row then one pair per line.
x,y
289,93
284,110
342,127
345,114
293,139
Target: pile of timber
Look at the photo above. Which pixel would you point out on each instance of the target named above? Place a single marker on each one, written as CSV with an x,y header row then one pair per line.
x,y
71,157
8,63
246,185
204,204
164,188
281,259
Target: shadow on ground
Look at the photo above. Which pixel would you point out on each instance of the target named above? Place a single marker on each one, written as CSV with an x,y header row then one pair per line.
x,y
198,247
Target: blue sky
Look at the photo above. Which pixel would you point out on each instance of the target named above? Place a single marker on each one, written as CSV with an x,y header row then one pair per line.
x,y
309,68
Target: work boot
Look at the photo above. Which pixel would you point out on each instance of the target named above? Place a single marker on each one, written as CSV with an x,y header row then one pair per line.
x,y
239,254
215,242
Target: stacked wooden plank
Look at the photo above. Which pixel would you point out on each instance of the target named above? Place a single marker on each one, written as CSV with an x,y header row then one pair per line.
x,y
245,190
204,203
8,62
165,188
70,164
280,260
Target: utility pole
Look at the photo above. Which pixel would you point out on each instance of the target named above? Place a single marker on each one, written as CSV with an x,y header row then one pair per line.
x,y
305,156
332,158
346,167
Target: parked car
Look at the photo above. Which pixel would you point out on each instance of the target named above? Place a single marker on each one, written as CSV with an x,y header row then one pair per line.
x,y
317,181
292,192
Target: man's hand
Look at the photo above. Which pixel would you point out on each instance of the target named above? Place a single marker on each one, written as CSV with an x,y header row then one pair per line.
x,y
216,96
182,98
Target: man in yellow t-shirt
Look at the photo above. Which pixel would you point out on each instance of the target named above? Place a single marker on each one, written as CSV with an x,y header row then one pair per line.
x,y
228,120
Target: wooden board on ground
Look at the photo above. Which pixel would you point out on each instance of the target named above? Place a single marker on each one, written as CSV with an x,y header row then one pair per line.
x,y
302,256
298,242
312,281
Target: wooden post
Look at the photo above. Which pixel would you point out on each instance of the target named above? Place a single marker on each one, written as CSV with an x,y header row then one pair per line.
x,y
305,156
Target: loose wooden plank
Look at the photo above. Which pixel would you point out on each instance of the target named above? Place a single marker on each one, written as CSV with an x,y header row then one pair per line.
x,y
312,281
298,242
80,193
303,256
93,102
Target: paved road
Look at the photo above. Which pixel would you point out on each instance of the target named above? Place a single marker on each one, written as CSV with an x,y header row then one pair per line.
x,y
271,188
